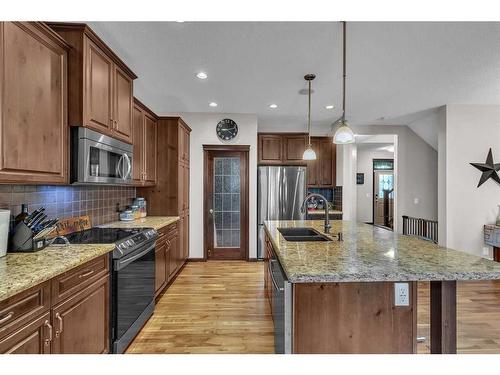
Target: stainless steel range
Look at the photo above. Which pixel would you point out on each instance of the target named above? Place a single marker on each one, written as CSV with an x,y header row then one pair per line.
x,y
132,278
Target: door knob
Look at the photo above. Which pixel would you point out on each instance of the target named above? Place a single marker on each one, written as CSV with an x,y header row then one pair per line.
x,y
211,211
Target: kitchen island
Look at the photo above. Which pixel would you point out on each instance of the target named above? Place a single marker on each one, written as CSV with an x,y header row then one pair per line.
x,y
340,296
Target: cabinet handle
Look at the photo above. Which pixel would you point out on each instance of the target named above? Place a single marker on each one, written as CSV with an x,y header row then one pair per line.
x,y
6,317
85,274
47,324
59,331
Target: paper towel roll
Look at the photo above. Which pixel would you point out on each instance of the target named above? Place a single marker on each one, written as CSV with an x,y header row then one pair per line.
x,y
4,231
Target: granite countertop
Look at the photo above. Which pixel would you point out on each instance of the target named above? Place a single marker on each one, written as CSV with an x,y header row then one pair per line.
x,y
21,271
155,222
370,254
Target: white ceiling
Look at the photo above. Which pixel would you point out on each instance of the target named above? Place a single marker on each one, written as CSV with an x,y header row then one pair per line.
x,y
395,71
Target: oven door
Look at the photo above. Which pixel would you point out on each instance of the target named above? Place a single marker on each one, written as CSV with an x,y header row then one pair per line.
x,y
101,159
133,294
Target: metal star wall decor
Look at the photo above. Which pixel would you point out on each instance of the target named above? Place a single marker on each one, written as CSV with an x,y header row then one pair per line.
x,y
489,169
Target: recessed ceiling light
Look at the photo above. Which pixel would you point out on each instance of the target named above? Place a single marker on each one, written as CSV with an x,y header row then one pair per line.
x,y
273,106
202,75
212,104
329,106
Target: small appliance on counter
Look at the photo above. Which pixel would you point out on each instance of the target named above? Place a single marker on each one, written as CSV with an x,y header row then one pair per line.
x,y
4,231
31,232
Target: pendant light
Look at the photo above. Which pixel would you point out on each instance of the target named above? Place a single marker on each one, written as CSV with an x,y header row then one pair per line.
x,y
343,134
309,153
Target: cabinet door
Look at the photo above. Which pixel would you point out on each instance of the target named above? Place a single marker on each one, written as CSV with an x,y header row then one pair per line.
x,y
293,148
160,266
138,139
313,172
270,149
32,338
185,249
173,249
98,93
32,105
150,139
81,323
183,143
327,161
123,99
185,192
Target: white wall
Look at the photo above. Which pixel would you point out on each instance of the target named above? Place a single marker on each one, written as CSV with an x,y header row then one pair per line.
x,y
366,153
417,172
203,133
467,208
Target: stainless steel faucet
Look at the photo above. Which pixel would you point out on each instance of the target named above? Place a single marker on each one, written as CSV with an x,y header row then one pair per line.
x,y
303,209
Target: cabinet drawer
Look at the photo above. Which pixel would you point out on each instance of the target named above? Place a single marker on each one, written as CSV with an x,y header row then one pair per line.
x,y
19,309
78,278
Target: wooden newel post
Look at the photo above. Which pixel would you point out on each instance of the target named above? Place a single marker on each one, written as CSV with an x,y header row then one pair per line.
x,y
443,317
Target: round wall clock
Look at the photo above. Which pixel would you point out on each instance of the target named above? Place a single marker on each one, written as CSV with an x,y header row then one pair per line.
x,y
226,129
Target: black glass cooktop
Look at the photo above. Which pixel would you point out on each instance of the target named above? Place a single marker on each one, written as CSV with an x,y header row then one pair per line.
x,y
101,235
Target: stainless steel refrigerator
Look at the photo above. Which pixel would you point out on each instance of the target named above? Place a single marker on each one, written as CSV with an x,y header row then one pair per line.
x,y
280,192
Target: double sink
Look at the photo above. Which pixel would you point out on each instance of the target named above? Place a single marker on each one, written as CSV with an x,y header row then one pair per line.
x,y
302,235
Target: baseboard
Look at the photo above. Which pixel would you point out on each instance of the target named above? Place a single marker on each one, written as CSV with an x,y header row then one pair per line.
x,y
196,260
254,259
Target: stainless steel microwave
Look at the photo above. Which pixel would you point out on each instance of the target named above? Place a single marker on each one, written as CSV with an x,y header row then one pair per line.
x,y
99,159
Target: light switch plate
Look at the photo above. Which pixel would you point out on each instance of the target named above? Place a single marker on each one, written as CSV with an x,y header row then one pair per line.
x,y
401,294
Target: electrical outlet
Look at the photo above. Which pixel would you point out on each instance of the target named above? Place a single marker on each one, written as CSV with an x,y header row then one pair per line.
x,y
415,200
401,294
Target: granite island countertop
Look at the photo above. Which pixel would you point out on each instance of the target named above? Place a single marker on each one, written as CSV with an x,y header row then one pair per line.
x,y
21,271
371,254
155,222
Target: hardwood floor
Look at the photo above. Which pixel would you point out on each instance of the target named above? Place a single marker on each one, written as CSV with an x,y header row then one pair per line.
x,y
220,307
478,317
212,307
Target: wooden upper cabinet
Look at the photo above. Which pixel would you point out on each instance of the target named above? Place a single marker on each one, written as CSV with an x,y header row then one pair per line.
x,y
270,149
98,90
123,105
184,146
293,148
145,131
150,136
33,118
100,85
313,172
281,148
321,173
138,141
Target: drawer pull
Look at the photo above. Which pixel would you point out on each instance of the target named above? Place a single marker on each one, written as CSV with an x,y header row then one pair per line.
x,y
59,331
85,274
47,324
6,317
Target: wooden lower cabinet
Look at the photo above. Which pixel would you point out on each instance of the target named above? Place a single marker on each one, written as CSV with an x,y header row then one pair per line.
x,y
81,323
44,320
31,338
169,259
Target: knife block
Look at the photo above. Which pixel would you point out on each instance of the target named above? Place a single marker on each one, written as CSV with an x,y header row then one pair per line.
x,y
22,240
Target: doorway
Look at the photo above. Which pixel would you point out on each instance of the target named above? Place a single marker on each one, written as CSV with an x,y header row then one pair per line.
x,y
225,198
383,193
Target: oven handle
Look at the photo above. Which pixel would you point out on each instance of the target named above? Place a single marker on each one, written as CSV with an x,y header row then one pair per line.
x,y
122,263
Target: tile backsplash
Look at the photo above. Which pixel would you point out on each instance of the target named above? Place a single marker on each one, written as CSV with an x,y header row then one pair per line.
x,y
99,202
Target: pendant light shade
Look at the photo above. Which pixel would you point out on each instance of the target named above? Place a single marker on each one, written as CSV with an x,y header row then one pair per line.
x,y
343,134
309,153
